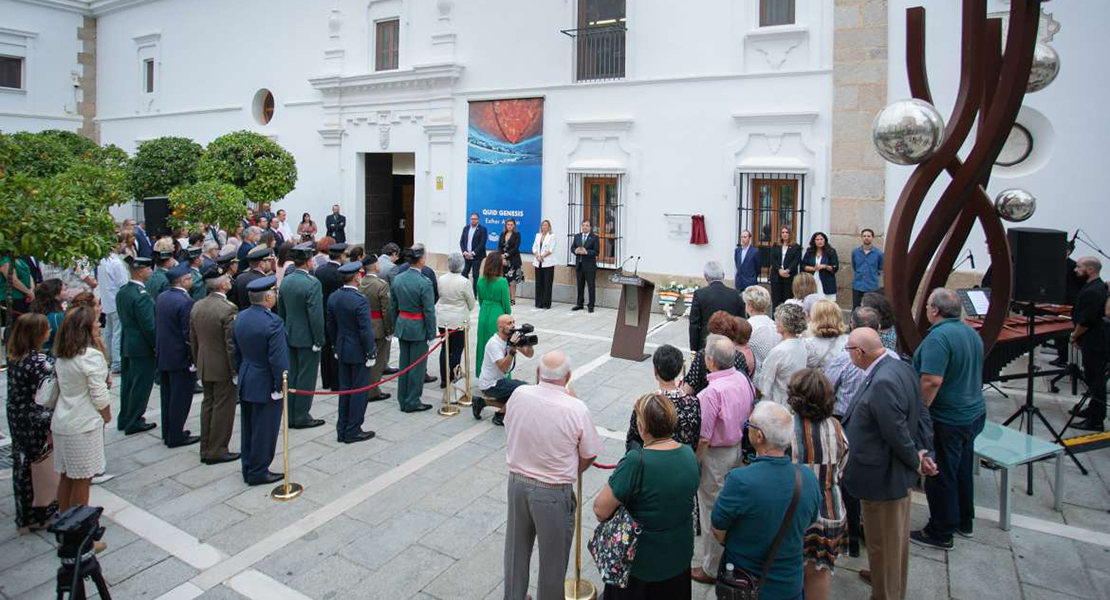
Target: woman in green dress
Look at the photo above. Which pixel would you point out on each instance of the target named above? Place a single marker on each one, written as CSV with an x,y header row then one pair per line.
x,y
493,301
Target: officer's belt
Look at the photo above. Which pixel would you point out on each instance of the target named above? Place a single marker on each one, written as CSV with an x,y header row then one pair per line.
x,y
376,314
411,315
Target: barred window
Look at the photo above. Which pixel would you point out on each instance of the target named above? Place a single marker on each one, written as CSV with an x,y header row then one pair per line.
x,y
599,199
767,203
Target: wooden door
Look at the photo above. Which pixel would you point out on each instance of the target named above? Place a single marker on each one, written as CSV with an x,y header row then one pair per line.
x,y
600,210
380,213
407,190
774,204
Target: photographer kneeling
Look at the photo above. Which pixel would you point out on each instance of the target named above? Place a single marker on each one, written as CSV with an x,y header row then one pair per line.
x,y
498,361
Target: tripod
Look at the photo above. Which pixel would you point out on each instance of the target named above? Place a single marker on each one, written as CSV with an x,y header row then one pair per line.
x,y
74,571
1028,410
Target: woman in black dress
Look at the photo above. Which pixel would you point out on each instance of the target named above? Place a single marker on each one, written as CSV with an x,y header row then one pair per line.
x,y
509,247
28,365
820,259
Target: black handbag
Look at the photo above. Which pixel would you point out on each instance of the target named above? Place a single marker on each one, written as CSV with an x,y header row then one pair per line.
x,y
738,584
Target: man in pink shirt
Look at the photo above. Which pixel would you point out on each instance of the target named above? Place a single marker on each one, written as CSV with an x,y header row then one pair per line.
x,y
551,439
725,406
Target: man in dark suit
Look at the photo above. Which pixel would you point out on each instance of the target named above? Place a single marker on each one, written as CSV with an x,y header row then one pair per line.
x,y
301,306
890,433
260,266
585,248
707,300
746,258
785,259
336,225
250,240
472,242
260,356
1091,337
210,339
328,274
143,246
175,360
348,325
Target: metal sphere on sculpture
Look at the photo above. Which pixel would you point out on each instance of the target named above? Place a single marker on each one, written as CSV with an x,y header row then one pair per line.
x,y
1015,205
1046,66
907,132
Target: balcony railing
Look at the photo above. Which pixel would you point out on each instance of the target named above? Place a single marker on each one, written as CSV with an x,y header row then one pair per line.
x,y
598,52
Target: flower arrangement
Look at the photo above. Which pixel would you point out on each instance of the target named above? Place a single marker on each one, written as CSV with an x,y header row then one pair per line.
x,y
674,297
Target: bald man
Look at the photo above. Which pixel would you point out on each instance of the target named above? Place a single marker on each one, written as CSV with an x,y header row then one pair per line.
x,y
1091,337
890,433
498,361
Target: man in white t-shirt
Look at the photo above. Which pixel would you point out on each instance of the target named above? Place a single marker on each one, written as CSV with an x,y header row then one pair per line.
x,y
497,364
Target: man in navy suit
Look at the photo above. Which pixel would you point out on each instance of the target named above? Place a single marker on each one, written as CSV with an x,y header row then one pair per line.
x,y
260,266
250,240
143,247
328,274
472,242
348,325
175,357
260,356
746,258
585,250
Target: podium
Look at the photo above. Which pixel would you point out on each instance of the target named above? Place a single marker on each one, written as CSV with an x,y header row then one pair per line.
x,y
632,317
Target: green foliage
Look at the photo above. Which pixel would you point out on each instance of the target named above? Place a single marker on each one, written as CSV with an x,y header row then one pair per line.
x,y
162,164
265,171
39,155
205,202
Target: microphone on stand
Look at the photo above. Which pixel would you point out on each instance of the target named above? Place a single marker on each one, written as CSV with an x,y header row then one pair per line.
x,y
636,269
621,269
1071,243
971,257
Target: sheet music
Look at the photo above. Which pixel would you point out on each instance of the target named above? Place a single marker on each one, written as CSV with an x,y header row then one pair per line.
x,y
980,301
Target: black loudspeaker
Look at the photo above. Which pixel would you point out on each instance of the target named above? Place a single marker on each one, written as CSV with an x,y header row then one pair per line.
x,y
1040,264
155,212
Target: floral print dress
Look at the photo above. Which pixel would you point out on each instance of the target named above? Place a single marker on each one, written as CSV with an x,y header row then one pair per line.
x,y
30,430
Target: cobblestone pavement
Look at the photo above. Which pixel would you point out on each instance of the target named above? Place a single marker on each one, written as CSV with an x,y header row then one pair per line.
x,y
419,512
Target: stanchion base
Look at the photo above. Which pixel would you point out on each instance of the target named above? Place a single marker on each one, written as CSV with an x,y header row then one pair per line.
x,y
448,410
464,401
281,493
585,590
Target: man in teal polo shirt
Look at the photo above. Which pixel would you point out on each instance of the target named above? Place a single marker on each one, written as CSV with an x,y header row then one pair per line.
x,y
950,363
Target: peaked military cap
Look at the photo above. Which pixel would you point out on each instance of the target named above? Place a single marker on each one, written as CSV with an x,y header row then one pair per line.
x,y
161,255
350,268
369,259
214,270
181,270
192,252
259,252
337,249
226,259
139,262
303,250
417,253
262,284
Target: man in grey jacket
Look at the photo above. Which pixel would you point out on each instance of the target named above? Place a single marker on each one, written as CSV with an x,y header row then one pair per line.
x,y
890,434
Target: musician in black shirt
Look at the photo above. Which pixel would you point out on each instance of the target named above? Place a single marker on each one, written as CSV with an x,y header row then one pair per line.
x,y
1090,336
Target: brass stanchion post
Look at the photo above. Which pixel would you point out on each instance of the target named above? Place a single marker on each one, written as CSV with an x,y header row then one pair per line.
x,y
464,368
578,588
287,490
448,409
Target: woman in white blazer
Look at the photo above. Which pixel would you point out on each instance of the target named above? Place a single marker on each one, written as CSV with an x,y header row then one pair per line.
x,y
542,250
456,301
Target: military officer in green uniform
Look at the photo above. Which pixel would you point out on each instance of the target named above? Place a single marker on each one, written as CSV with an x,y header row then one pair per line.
x,y
414,319
300,304
376,290
196,258
158,281
135,307
230,264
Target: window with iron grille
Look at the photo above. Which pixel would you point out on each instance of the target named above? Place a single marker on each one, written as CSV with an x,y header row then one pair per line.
x,y
767,203
599,199
776,12
599,40
386,44
11,72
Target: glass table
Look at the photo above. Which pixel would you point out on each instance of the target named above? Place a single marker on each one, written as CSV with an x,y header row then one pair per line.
x,y
1009,448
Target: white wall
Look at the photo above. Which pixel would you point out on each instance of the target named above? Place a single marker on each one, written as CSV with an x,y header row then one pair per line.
x,y
1067,171
48,37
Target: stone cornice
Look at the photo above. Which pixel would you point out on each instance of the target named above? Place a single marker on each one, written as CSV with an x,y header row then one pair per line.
x,y
92,8
416,77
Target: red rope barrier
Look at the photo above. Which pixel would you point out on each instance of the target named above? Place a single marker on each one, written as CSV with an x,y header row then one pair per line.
x,y
386,380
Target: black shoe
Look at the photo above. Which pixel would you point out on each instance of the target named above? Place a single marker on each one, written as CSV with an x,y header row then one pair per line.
x,y
499,419
476,405
418,408
198,389
966,532
390,371
921,538
188,440
269,477
1089,424
139,428
227,457
429,378
577,307
361,436
309,424
591,309
379,397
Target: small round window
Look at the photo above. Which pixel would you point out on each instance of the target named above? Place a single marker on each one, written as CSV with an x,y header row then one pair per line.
x,y
1018,146
263,106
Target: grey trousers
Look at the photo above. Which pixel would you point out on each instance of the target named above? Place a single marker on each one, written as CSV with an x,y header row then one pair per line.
x,y
538,510
714,468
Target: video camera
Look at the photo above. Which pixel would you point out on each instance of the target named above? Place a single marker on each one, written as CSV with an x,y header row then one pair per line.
x,y
525,339
74,527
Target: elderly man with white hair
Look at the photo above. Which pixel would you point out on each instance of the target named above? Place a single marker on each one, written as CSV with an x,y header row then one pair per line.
x,y
551,439
707,300
769,497
725,405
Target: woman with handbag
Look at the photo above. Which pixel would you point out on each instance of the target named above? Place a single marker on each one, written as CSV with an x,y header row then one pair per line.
x,y
32,463
542,249
83,405
653,488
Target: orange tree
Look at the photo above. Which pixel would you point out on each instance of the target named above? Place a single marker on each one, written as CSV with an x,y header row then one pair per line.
x,y
252,162
197,205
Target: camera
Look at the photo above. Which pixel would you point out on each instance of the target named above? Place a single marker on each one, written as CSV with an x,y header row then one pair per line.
x,y
525,339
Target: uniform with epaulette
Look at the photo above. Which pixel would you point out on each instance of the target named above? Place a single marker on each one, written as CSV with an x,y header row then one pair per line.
x,y
158,281
300,304
210,339
135,308
195,259
261,355
257,259
328,274
376,291
348,324
414,321
175,360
